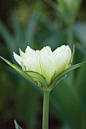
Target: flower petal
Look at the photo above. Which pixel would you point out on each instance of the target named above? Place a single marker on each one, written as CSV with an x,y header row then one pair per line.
x,y
29,52
18,59
22,54
59,50
62,60
46,50
32,64
46,66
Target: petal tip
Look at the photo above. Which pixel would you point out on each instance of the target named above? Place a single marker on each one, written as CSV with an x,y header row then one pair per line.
x,y
14,54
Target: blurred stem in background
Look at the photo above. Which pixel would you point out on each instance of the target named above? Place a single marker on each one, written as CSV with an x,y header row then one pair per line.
x,y
70,36
45,110
70,41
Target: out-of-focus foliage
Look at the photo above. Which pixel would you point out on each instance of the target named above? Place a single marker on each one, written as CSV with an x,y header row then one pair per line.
x,y
20,99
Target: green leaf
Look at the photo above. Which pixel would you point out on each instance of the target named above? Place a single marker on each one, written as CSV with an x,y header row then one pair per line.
x,y
19,70
9,40
71,104
18,31
56,107
80,82
81,48
54,39
16,125
80,32
63,74
27,103
33,77
31,27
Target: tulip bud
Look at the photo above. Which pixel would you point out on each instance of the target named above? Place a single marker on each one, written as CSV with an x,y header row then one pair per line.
x,y
67,10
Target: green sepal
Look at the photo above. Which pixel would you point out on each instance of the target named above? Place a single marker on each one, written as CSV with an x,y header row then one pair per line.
x,y
16,125
63,74
41,81
33,77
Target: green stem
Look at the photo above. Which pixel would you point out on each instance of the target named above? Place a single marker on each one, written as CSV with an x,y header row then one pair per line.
x,y
70,41
70,36
45,110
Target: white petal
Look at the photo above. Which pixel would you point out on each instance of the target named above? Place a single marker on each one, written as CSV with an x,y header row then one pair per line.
x,y
62,60
46,66
22,54
32,64
22,62
29,52
46,50
18,59
59,50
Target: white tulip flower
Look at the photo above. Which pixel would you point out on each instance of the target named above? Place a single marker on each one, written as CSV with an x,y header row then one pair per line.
x,y
44,68
45,62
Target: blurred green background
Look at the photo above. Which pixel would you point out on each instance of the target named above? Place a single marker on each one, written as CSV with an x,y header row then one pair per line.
x,y
39,23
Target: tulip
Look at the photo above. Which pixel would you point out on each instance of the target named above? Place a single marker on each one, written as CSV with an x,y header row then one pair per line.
x,y
45,69
45,62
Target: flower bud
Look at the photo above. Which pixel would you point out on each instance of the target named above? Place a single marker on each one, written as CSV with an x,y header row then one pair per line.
x,y
67,10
